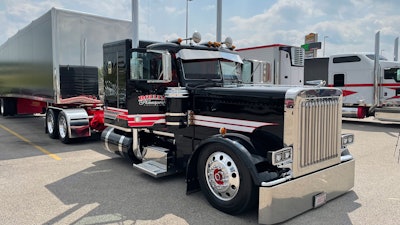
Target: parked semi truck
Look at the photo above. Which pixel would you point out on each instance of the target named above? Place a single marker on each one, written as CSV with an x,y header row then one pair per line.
x,y
52,66
273,64
367,90
277,146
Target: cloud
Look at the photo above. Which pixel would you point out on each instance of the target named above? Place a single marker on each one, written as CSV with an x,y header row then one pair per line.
x,y
350,24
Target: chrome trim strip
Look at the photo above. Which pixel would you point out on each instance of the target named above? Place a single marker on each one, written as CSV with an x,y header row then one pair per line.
x,y
106,140
118,127
120,143
160,133
173,123
276,182
175,114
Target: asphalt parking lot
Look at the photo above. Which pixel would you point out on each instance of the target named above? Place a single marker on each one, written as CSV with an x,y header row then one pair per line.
x,y
43,181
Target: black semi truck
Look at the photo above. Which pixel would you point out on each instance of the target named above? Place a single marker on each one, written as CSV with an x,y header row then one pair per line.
x,y
173,108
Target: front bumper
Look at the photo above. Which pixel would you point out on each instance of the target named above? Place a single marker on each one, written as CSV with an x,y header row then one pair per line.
x,y
289,199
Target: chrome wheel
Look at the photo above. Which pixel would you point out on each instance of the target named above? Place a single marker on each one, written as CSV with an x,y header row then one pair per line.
x,y
224,179
62,126
222,176
51,124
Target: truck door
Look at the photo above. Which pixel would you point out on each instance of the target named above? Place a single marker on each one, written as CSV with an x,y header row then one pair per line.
x,y
390,90
288,73
148,81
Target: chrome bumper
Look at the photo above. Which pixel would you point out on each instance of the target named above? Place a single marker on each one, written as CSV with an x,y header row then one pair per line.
x,y
286,200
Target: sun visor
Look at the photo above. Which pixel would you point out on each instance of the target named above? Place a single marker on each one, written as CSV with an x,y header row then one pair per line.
x,y
188,54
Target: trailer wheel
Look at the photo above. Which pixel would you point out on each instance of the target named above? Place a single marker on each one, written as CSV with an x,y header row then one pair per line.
x,y
8,107
225,180
51,124
2,107
63,128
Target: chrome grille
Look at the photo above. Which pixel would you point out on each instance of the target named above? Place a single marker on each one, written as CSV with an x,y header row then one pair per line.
x,y
313,127
319,130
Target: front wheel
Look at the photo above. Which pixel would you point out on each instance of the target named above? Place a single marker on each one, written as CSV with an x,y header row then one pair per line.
x,y
225,180
63,128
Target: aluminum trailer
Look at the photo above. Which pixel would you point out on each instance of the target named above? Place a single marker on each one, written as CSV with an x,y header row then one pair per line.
x,y
53,66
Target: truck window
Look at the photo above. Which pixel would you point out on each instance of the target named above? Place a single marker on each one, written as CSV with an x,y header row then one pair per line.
x,y
338,80
247,75
230,71
346,59
146,66
392,73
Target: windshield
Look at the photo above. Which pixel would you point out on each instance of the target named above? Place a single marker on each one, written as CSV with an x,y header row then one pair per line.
x,y
211,69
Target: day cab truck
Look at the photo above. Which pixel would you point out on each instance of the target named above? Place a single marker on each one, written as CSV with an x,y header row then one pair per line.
x,y
276,146
368,90
52,66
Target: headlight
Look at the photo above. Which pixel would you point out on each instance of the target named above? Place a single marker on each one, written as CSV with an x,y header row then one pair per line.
x,y
347,139
282,156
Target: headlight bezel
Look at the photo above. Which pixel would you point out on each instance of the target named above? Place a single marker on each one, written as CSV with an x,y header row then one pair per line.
x,y
282,156
347,139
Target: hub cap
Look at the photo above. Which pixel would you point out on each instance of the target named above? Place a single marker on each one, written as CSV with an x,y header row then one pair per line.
x,y
222,176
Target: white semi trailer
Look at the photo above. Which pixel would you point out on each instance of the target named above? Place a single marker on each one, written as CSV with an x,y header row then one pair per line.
x,y
52,66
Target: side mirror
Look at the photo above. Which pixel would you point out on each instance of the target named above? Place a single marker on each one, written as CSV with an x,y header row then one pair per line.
x,y
166,64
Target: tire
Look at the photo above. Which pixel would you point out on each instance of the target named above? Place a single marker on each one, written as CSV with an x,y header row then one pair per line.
x,y
2,107
52,124
8,107
225,180
63,128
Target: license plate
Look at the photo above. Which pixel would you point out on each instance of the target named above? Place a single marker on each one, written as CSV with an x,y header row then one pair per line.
x,y
319,199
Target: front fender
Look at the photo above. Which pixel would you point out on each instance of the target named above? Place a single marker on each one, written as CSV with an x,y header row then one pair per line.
x,y
233,143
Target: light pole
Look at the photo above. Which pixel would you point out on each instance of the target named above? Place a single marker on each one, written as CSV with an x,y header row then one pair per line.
x,y
323,52
187,17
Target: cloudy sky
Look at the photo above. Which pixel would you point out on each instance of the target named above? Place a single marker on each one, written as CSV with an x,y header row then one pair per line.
x,y
349,25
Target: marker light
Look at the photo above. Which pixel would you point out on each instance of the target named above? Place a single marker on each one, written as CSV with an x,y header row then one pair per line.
x,y
222,131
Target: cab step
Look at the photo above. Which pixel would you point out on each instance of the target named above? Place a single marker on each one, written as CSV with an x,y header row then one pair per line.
x,y
155,162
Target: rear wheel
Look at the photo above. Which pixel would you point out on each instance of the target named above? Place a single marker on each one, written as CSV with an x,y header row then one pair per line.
x,y
2,107
51,124
225,180
63,128
8,106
